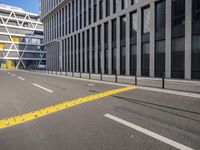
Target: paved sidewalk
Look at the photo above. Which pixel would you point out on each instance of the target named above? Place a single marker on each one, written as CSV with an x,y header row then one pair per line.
x,y
169,84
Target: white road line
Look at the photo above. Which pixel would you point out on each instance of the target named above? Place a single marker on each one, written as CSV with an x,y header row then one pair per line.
x,y
149,133
21,78
50,91
13,75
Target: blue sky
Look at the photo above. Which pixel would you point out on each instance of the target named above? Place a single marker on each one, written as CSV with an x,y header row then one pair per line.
x,y
28,5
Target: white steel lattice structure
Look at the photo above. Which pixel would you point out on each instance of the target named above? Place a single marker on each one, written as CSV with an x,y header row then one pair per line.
x,y
21,38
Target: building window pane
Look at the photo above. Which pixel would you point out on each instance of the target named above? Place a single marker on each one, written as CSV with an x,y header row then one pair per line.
x,y
123,60
160,16
146,20
196,57
178,54
145,59
160,58
133,59
178,12
196,11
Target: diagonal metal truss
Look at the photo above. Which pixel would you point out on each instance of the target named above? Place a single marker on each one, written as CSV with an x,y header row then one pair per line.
x,y
20,22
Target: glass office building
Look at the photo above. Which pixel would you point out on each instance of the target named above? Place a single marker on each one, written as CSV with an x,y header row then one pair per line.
x,y
21,39
145,37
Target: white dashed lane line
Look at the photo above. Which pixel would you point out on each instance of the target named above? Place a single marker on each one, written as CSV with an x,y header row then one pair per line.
x,y
21,78
149,133
41,87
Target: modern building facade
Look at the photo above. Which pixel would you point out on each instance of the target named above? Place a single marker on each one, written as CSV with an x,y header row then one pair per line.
x,y
127,37
21,38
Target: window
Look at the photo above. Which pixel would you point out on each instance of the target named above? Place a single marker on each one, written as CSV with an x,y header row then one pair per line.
x,y
160,58
145,59
83,50
146,20
160,39
107,8
133,42
106,48
93,50
114,38
196,57
196,10
133,59
160,16
99,49
178,57
123,45
178,12
88,50
95,11
114,6
100,9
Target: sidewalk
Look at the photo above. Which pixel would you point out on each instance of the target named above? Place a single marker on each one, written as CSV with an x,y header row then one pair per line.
x,y
169,84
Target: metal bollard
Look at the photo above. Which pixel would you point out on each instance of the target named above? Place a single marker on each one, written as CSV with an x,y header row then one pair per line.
x,y
135,79
163,80
116,77
89,75
80,74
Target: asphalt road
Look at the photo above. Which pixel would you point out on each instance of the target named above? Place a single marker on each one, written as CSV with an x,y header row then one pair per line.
x,y
131,120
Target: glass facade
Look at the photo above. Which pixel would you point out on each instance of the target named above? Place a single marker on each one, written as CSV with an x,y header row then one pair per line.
x,y
107,18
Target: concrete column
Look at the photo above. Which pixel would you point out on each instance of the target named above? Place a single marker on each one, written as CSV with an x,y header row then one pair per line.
x,y
102,47
127,43
139,39
96,49
188,38
109,47
152,40
168,43
118,46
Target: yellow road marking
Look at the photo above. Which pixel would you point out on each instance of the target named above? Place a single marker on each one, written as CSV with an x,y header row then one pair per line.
x,y
58,107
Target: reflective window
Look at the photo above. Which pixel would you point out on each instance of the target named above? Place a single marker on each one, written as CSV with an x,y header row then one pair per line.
x,y
123,45
107,8
146,20
160,16
145,59
160,58
196,10
133,59
178,12
178,54
196,57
